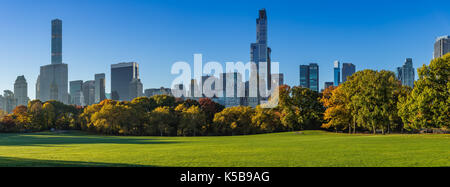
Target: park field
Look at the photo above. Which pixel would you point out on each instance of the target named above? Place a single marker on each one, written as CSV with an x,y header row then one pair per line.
x,y
307,149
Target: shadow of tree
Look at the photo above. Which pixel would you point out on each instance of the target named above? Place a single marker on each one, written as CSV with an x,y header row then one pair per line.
x,y
51,139
23,162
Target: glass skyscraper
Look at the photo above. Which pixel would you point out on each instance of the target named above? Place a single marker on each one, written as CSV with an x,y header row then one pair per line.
x,y
406,73
337,73
309,76
442,46
348,69
100,87
121,76
76,93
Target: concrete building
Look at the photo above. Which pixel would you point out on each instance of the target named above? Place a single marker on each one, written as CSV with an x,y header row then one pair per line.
x,y
121,76
348,69
52,83
406,73
9,101
157,91
441,46
136,89
100,83
76,93
89,93
21,91
337,73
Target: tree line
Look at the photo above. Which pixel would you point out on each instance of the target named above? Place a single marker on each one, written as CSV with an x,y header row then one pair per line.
x,y
370,101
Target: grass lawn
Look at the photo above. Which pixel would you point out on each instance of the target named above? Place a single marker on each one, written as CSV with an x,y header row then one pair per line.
x,y
313,148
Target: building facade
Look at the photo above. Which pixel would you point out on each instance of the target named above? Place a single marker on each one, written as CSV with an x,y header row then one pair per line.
x,y
337,73
52,83
348,69
136,89
157,91
441,46
76,93
328,84
406,73
9,101
88,93
309,76
100,83
21,91
121,76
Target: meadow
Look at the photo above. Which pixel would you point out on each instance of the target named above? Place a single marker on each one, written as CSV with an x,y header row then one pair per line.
x,y
292,149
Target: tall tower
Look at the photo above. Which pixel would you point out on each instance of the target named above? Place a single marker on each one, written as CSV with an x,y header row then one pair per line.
x,y
260,53
56,41
100,87
406,73
337,73
53,78
442,46
348,69
21,91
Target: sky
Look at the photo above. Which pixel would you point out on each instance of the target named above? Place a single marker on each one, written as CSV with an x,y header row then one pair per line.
x,y
371,34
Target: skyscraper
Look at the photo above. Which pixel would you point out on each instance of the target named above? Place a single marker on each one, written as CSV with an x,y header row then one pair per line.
x,y
56,41
136,89
442,46
337,73
9,101
406,73
76,92
89,92
260,53
348,69
304,76
121,76
309,76
52,83
100,87
314,77
21,91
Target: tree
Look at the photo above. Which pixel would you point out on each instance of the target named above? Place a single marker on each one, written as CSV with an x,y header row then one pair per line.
x,y
427,106
164,100
235,121
162,118
267,120
192,120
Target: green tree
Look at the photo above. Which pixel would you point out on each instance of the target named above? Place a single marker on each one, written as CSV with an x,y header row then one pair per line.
x,y
427,106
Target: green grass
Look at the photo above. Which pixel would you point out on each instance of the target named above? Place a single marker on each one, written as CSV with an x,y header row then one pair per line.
x,y
313,148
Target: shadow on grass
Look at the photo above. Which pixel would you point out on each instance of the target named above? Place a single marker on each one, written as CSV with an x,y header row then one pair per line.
x,y
23,162
49,139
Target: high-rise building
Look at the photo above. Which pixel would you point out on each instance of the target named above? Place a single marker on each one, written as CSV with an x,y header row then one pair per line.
x,y
348,69
304,76
136,89
21,91
76,92
53,79
100,84
314,77
233,89
406,73
442,46
337,73
121,76
89,92
309,76
260,53
9,101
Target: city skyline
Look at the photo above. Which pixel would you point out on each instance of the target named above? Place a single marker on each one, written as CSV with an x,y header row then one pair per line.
x,y
149,70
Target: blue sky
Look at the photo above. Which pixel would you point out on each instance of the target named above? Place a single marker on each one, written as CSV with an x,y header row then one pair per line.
x,y
156,33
